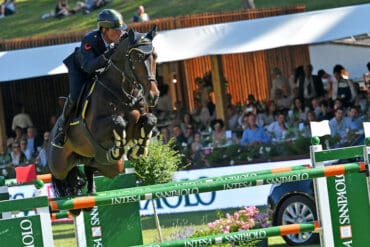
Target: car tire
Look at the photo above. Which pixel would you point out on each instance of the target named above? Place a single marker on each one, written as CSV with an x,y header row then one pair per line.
x,y
298,209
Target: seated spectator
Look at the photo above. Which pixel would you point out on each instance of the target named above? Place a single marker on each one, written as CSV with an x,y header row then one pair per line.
x,y
5,157
305,126
22,119
253,134
18,157
218,133
278,129
232,118
27,152
181,141
197,154
298,113
270,114
165,135
62,9
34,142
140,15
338,126
91,5
352,121
326,113
189,134
187,120
41,159
7,8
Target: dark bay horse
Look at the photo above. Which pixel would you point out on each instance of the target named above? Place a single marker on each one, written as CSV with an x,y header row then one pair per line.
x,y
113,119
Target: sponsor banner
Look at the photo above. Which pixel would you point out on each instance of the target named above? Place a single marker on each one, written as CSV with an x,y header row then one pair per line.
x,y
203,201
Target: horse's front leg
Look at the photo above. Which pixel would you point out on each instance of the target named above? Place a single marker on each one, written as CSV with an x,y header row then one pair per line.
x,y
119,134
143,133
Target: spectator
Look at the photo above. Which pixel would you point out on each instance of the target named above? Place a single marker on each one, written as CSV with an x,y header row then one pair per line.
x,y
218,133
27,152
7,8
22,120
187,120
140,15
181,140
278,129
18,157
298,113
189,134
5,157
278,82
270,114
327,82
312,86
41,159
299,80
248,4
91,5
305,126
338,126
367,75
253,134
232,118
326,113
315,106
165,135
352,121
33,141
62,9
343,88
18,133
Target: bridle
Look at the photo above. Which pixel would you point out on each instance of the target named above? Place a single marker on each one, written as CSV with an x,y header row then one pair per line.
x,y
134,55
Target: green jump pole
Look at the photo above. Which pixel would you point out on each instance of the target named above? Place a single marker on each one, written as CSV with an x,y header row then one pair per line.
x,y
238,236
121,196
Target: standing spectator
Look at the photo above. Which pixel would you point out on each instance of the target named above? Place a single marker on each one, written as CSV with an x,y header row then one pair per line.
x,y
18,133
298,80
278,82
343,88
312,85
253,134
140,15
18,157
7,8
22,119
327,82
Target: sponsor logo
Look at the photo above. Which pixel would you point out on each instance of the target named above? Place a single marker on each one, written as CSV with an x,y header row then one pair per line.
x,y
27,233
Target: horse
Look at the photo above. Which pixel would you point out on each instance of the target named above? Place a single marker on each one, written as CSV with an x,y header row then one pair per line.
x,y
112,121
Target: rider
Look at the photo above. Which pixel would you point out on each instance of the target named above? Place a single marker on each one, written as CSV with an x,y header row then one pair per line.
x,y
93,54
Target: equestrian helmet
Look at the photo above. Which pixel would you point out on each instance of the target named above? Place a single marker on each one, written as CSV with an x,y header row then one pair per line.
x,y
110,18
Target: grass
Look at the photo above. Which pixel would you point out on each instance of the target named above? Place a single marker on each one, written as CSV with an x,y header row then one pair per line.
x,y
27,21
172,224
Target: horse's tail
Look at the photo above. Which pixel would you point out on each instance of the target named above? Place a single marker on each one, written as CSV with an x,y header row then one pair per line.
x,y
72,185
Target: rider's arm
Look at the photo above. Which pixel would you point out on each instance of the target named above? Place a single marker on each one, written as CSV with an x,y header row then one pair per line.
x,y
90,61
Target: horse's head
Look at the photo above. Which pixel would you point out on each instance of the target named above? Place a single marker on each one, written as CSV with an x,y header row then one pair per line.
x,y
142,62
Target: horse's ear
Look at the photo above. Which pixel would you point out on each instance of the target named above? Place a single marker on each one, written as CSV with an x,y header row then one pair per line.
x,y
131,36
152,33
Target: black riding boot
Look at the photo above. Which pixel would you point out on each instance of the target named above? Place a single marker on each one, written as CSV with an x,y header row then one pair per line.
x,y
60,137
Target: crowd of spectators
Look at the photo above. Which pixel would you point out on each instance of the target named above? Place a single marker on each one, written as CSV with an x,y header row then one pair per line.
x,y
294,102
25,146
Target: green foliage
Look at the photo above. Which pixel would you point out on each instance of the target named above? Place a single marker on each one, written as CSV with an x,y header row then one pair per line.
x,y
160,164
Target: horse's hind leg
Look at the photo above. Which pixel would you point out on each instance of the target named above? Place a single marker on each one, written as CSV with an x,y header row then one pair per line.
x,y
89,172
143,134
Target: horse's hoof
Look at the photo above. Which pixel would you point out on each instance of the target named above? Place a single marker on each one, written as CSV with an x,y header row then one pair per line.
x,y
75,212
